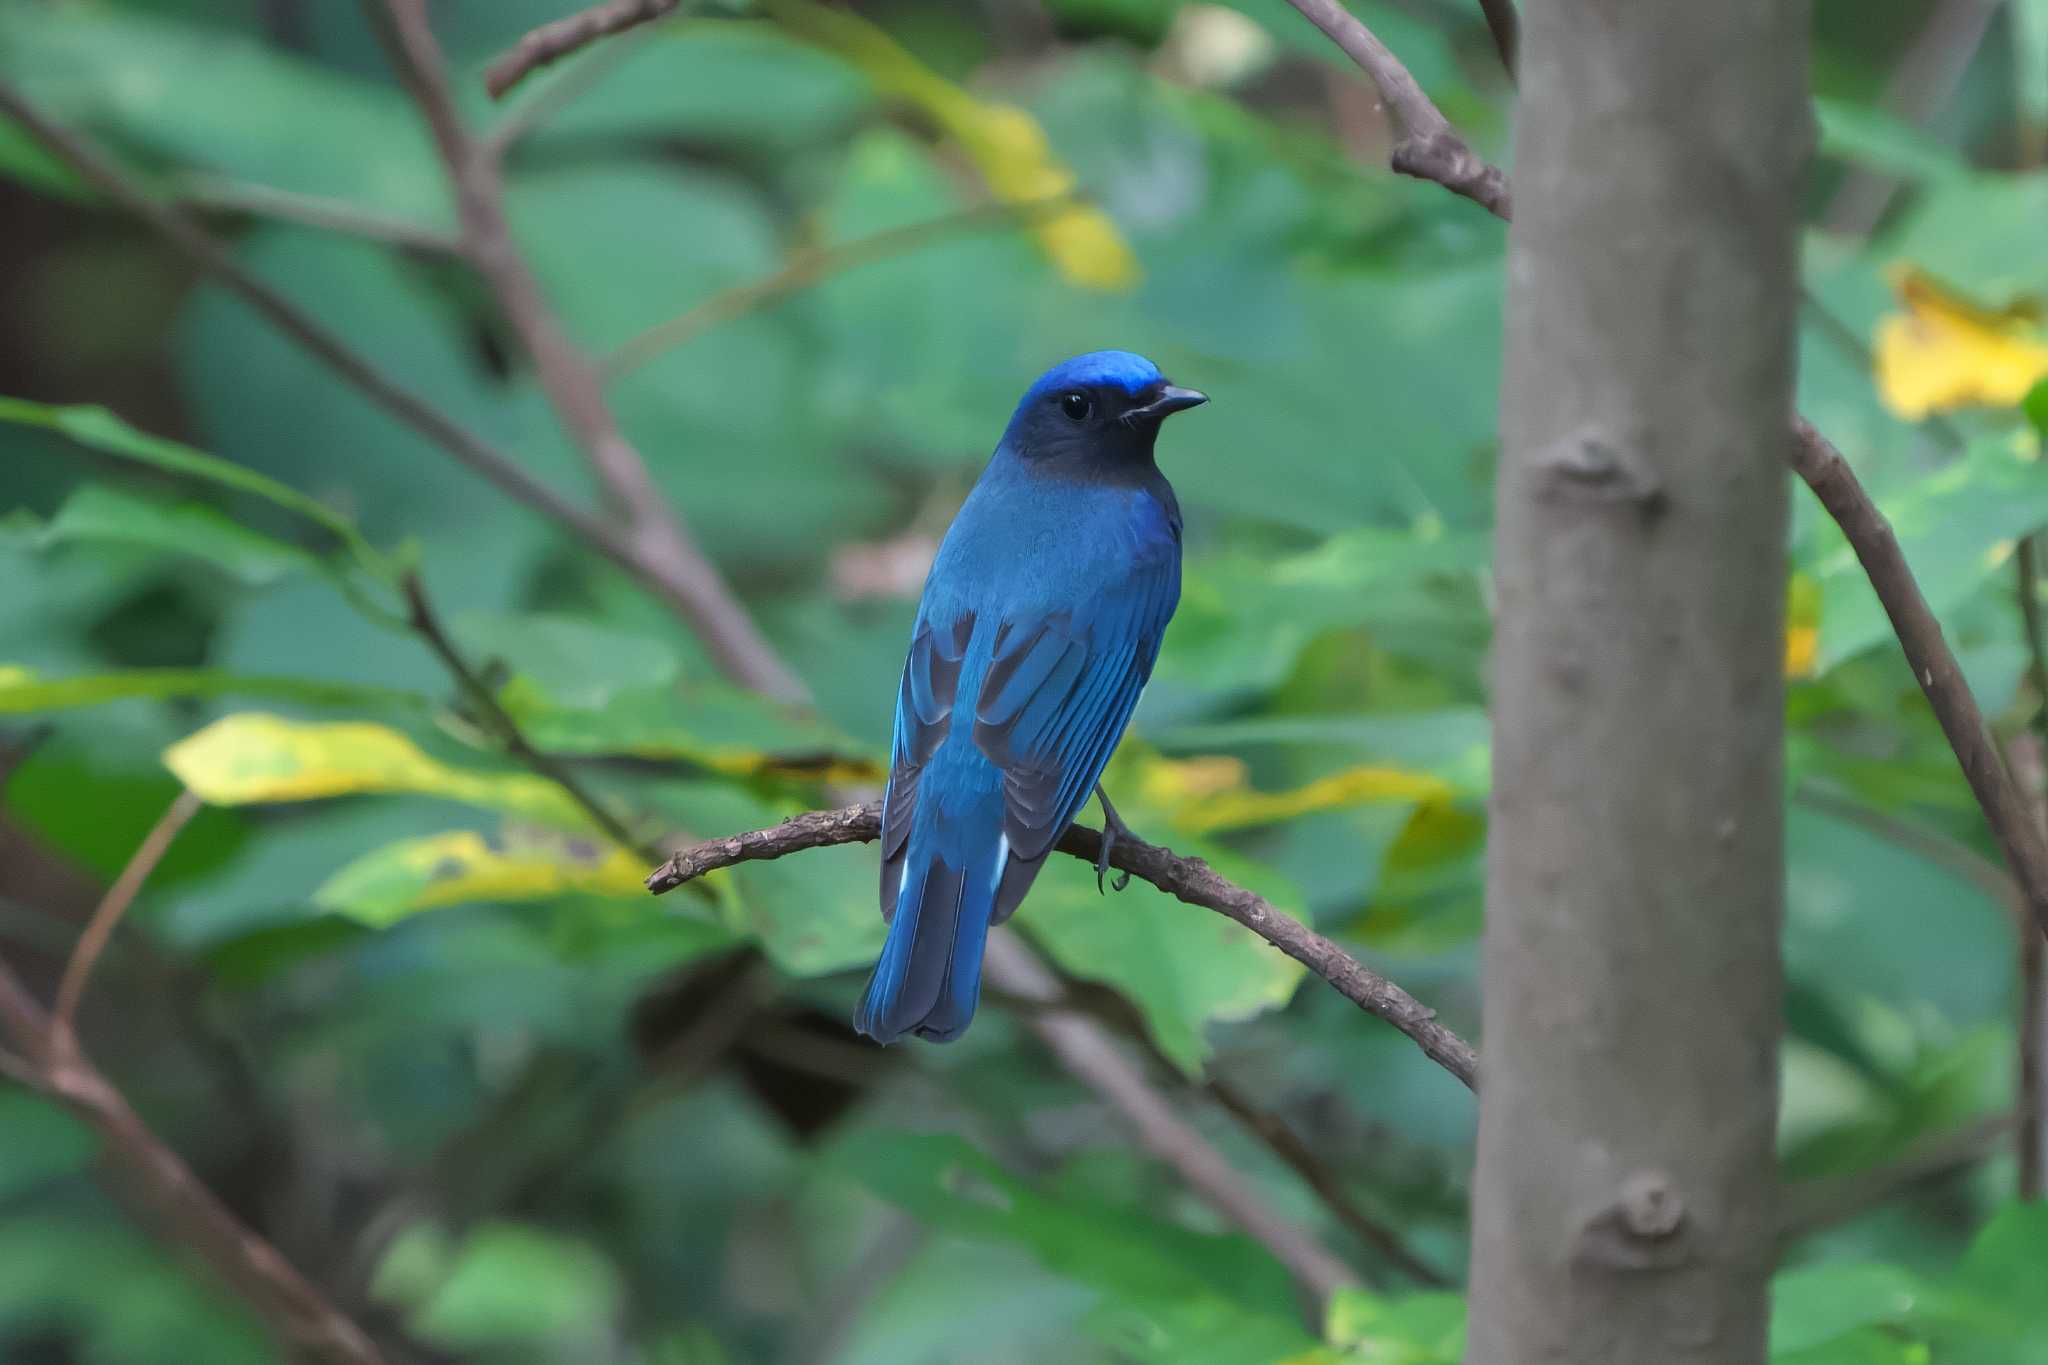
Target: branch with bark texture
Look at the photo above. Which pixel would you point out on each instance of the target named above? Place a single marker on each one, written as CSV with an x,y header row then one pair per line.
x,y
1189,880
150,1178
1431,149
653,528
551,42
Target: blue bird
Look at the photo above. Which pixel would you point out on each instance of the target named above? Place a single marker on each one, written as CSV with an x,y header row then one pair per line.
x,y
1040,621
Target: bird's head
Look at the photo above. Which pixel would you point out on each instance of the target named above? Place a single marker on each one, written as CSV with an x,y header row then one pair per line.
x,y
1096,412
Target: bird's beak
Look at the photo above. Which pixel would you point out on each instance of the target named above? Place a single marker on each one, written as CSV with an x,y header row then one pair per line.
x,y
1172,398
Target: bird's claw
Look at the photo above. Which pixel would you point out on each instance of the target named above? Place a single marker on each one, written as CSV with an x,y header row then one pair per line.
x,y
1113,829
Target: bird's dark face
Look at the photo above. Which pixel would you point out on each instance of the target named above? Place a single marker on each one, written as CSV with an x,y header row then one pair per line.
x,y
1096,414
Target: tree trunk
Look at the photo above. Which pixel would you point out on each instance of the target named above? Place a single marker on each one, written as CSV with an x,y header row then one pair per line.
x,y
1622,1208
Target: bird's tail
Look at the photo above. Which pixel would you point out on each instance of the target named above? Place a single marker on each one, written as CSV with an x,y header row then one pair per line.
x,y
928,979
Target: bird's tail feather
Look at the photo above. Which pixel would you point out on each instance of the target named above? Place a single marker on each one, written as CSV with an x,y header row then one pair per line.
x,y
928,978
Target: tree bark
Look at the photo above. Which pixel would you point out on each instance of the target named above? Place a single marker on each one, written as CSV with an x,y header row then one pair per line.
x,y
1622,1207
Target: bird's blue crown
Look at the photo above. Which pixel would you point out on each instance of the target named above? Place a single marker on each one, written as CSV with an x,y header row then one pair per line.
x,y
1098,369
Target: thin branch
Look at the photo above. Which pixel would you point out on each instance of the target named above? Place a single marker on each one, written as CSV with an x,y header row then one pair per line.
x,y
810,266
1934,666
1189,880
1086,1051
1815,1205
1506,27
551,42
1328,1185
100,928
162,1190
426,623
2029,754
1926,79
311,210
210,256
653,529
539,106
1951,854
1426,146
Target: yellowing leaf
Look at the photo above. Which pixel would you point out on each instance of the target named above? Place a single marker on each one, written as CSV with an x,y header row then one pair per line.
x,y
1209,793
1006,144
253,757
400,879
1946,352
1802,625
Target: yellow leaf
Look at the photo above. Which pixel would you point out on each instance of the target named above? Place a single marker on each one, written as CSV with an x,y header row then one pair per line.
x,y
254,757
1802,625
1947,352
1209,793
460,866
1006,144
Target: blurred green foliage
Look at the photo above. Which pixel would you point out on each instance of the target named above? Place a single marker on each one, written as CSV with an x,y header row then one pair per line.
x,y
414,1017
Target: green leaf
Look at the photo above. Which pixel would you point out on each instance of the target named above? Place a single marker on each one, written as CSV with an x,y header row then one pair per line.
x,y
200,96
1884,142
1955,525
2030,61
1413,1329
1980,234
507,1284
1183,966
98,429
2035,405
1816,1304
25,692
99,513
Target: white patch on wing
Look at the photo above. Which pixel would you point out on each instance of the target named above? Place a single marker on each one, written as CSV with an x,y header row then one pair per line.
x,y
1002,861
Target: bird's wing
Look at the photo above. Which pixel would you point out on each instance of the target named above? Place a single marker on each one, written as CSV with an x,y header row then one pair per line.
x,y
924,715
1057,694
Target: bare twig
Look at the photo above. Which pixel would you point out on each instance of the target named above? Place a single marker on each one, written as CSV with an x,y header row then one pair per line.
x,y
1506,27
808,267
538,106
112,906
1328,1185
551,42
1426,146
162,1190
1814,1205
1926,78
1940,849
214,259
311,210
2029,753
1086,1051
1189,880
653,528
426,623
1934,666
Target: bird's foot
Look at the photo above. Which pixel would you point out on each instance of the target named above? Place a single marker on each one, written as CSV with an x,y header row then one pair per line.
x,y
1113,829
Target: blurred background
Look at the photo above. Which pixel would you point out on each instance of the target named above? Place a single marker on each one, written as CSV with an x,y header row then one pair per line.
x,y
411,1014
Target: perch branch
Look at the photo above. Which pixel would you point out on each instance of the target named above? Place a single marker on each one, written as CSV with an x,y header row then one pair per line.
x,y
1189,880
1444,157
1088,1053
551,42
653,528
100,928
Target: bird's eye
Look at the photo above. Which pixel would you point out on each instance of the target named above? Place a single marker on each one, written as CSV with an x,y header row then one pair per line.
x,y
1076,406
